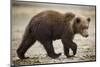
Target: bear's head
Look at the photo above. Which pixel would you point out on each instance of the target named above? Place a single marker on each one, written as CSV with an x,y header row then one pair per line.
x,y
79,24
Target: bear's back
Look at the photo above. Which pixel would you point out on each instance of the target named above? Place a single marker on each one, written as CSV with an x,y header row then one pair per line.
x,y
48,23
49,16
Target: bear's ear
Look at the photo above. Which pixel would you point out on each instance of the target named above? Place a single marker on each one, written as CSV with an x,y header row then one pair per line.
x,y
88,19
78,20
69,16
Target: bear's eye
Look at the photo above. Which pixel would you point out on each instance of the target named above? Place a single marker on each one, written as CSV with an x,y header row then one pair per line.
x,y
78,20
88,19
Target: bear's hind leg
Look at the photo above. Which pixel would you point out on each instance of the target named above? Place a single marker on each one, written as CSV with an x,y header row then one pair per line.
x,y
26,43
49,48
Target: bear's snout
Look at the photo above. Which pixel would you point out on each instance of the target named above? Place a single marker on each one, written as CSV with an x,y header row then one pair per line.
x,y
84,33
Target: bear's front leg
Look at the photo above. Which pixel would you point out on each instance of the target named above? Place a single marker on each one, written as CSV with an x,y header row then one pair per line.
x,y
67,45
74,48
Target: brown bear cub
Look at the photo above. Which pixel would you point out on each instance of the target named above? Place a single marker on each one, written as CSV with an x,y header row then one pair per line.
x,y
51,25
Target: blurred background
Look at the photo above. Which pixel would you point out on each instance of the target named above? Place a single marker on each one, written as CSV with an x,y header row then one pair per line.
x,y
21,14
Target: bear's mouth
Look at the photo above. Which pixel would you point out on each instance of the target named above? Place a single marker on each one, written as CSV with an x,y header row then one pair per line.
x,y
84,33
